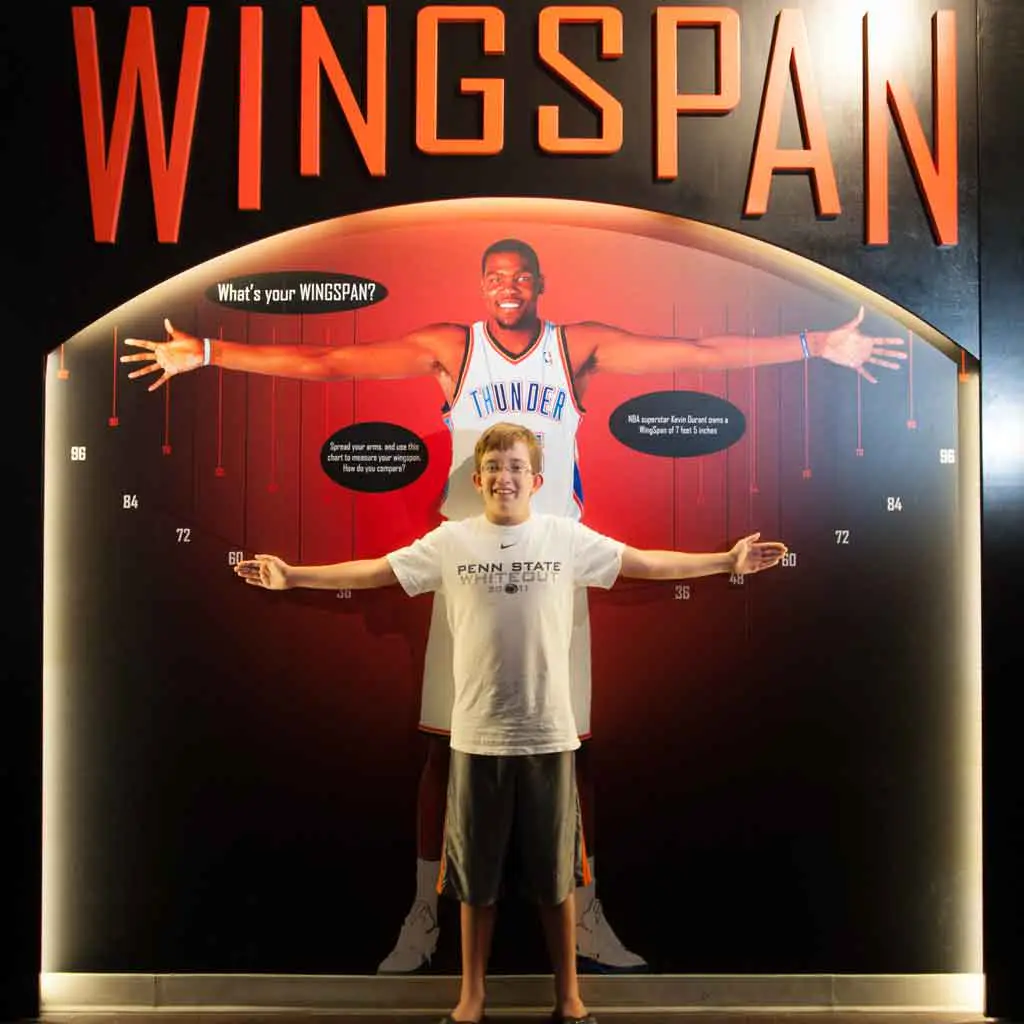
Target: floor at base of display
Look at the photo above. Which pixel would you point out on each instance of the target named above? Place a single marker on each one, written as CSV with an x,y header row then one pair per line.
x,y
763,994
515,1017
510,1017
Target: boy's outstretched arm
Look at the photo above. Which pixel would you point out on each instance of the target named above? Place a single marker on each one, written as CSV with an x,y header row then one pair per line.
x,y
746,556
273,573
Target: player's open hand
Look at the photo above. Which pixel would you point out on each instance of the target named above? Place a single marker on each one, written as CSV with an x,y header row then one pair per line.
x,y
267,571
751,555
846,346
179,355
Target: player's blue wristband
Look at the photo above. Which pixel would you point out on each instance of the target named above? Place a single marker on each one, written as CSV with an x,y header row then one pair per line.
x,y
206,351
804,345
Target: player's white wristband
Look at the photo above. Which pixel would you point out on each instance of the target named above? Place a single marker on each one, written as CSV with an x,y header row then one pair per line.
x,y
803,344
206,351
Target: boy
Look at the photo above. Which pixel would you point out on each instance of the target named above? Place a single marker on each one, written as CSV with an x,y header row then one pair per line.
x,y
513,731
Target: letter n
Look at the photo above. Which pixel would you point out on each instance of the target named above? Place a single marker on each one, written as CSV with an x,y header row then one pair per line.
x,y
936,176
369,130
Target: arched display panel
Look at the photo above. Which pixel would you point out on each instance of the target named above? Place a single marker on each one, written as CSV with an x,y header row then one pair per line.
x,y
785,766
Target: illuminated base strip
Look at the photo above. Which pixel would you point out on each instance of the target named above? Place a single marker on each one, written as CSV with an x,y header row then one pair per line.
x,y
953,993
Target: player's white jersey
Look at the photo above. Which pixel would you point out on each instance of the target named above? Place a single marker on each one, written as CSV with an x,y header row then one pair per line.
x,y
534,389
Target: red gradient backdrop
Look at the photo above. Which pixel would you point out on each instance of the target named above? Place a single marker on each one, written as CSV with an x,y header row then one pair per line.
x,y
709,705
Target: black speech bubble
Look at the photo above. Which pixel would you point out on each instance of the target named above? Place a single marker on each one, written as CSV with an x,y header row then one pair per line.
x,y
374,457
677,424
296,291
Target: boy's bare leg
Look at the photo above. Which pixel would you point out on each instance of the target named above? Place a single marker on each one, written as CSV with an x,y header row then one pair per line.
x,y
477,931
559,924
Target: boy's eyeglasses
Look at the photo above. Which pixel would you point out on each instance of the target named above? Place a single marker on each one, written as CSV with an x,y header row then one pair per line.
x,y
513,468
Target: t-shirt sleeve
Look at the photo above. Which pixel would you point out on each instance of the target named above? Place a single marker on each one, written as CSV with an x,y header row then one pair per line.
x,y
597,559
418,566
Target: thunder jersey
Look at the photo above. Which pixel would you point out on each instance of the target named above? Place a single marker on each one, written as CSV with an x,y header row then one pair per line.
x,y
534,390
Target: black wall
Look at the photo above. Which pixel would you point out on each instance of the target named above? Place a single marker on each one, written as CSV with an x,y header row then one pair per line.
x,y
1001,43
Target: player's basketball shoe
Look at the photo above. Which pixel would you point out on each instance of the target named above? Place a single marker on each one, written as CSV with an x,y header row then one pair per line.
x,y
598,948
416,943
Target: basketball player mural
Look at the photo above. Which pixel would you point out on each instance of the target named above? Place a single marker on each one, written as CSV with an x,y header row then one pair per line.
x,y
512,366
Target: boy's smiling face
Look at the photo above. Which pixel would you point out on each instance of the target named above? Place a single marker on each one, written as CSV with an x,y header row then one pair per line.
x,y
506,483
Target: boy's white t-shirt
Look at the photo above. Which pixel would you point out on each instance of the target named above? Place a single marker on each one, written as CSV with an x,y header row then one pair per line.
x,y
509,595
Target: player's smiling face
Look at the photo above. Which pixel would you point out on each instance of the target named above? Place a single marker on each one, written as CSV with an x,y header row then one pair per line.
x,y
511,288
507,482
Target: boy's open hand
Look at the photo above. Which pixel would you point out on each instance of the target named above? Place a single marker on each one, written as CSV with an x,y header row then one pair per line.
x,y
267,571
751,555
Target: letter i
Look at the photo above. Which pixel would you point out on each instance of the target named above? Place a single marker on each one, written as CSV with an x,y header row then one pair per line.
x,y
250,109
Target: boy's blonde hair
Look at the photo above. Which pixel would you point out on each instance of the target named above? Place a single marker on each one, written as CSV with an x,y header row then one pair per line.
x,y
503,436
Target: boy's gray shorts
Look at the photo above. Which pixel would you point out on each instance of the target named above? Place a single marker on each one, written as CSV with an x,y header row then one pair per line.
x,y
522,807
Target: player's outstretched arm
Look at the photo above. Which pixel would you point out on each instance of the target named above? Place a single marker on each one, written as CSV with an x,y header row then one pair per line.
x,y
612,350
747,556
273,573
424,351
